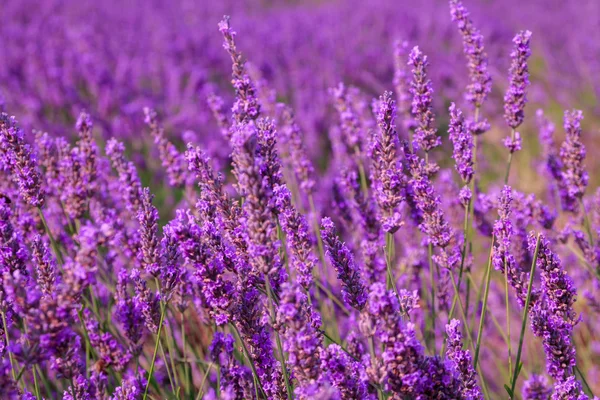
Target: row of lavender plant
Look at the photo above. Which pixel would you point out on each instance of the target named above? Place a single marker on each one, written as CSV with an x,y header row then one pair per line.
x,y
384,277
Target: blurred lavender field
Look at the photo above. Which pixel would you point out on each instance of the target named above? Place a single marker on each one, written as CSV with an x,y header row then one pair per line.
x,y
389,199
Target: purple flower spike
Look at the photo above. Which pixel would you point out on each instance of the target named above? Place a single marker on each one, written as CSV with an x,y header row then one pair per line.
x,y
462,362
515,97
18,157
246,106
149,255
402,79
462,140
421,90
387,172
353,289
536,388
572,155
477,60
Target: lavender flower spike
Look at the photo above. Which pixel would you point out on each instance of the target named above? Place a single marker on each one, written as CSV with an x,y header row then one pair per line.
x,y
421,90
18,156
462,140
515,97
536,388
462,362
150,247
246,106
477,60
353,289
387,173
45,265
402,85
572,154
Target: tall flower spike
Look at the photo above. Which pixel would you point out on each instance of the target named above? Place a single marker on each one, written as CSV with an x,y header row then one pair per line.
x,y
19,158
129,181
128,311
558,287
149,253
45,265
462,140
402,79
298,159
353,289
170,157
343,372
515,97
387,173
216,105
246,106
462,362
421,90
352,132
88,149
302,339
260,222
477,61
298,237
572,154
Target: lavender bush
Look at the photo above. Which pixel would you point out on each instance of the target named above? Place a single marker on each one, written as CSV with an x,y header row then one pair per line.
x,y
181,219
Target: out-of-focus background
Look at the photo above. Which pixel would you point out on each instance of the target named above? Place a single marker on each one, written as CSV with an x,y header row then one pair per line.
x,y
114,57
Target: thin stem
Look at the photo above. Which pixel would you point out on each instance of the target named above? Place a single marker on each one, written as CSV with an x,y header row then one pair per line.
x,y
5,327
488,274
506,301
586,222
524,323
252,366
462,259
185,362
432,292
510,158
278,338
160,324
389,254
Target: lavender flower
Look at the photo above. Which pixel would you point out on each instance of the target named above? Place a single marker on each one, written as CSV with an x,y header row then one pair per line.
x,y
569,389
515,97
502,258
149,253
259,220
298,237
89,151
171,159
556,337
236,380
149,302
109,350
246,106
402,80
557,286
387,173
572,155
353,289
342,371
462,362
477,60
128,312
536,388
352,132
462,140
216,105
18,156
297,157
421,90
45,265
299,326
129,181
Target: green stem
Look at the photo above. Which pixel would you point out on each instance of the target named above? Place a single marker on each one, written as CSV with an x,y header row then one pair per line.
x,y
12,364
277,338
185,362
524,322
488,274
389,256
510,158
53,243
252,366
432,292
160,324
506,301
